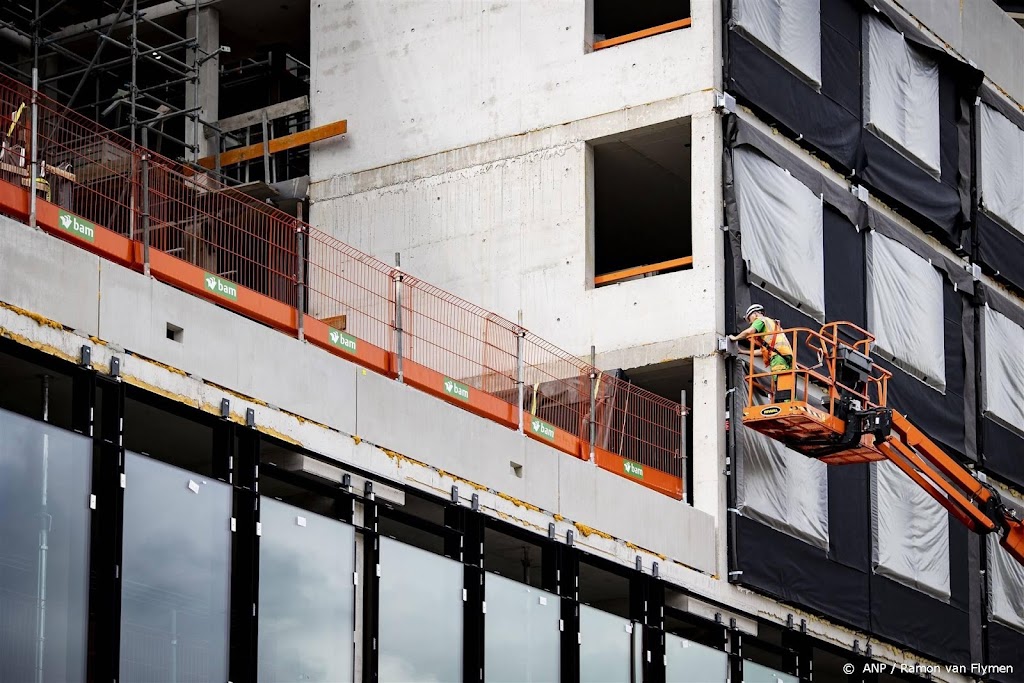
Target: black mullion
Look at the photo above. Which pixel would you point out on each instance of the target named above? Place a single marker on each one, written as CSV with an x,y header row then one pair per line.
x,y
106,527
240,448
568,585
371,585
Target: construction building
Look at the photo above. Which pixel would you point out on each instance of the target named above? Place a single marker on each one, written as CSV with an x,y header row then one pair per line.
x,y
380,340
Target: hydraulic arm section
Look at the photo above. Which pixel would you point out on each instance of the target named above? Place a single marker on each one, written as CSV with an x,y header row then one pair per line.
x,y
831,405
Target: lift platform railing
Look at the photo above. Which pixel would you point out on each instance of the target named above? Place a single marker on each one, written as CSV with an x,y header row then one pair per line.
x,y
813,376
186,228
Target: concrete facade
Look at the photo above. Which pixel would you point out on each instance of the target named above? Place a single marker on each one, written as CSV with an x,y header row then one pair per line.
x,y
433,447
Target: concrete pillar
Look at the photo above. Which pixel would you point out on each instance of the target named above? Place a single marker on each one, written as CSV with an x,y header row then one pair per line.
x,y
708,416
709,385
204,26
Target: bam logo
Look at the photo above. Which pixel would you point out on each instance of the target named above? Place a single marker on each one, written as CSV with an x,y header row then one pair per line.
x,y
632,469
345,342
456,389
542,428
76,226
221,287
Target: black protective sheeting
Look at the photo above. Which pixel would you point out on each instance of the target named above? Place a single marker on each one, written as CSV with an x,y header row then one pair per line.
x,y
1003,450
1000,250
845,287
775,92
829,121
798,573
941,416
922,623
1005,647
891,175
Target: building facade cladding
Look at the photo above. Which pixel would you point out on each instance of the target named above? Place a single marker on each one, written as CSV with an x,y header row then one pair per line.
x,y
186,561
952,372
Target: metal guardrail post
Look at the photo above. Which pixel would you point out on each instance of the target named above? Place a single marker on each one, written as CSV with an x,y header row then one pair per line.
x,y
398,317
682,431
145,202
593,402
520,336
300,278
34,171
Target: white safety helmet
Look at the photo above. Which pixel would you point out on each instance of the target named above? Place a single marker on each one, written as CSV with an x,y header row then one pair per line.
x,y
753,308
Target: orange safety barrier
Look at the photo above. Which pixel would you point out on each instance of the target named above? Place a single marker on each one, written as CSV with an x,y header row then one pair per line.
x,y
650,477
96,189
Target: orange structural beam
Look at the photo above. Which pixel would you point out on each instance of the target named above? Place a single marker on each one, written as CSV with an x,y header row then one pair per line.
x,y
637,35
459,393
220,290
545,432
645,475
627,273
343,344
305,137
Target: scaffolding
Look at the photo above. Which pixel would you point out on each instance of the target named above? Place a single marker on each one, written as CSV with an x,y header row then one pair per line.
x,y
138,68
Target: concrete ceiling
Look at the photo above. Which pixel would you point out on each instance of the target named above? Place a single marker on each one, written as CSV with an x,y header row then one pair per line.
x,y
666,146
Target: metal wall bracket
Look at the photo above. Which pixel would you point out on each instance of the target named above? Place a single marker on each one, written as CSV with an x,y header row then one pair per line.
x,y
569,537
725,103
455,494
551,531
475,503
115,366
225,408
654,569
85,356
250,417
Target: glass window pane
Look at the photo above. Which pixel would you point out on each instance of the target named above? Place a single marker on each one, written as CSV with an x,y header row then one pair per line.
x,y
605,646
690,662
420,615
44,563
176,576
306,616
521,636
756,673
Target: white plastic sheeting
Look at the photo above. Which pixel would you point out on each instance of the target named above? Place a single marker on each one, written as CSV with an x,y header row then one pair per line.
x,y
789,28
781,228
910,532
901,97
1005,584
905,310
782,488
1004,369
1002,167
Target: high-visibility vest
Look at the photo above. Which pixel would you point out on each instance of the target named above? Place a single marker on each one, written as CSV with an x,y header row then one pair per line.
x,y
774,341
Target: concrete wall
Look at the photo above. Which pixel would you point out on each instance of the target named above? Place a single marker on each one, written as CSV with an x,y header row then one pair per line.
x,y
507,225
417,77
129,312
980,31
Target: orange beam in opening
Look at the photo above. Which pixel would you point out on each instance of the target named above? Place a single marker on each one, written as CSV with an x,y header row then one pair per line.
x,y
637,35
305,137
642,270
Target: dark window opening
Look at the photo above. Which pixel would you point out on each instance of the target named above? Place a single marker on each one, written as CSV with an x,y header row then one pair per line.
x,y
31,389
614,18
513,557
166,436
604,590
642,203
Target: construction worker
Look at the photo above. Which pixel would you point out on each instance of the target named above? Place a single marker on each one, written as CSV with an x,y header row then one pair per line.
x,y
776,351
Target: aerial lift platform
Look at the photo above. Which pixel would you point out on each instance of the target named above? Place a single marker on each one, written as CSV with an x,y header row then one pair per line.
x,y
835,411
